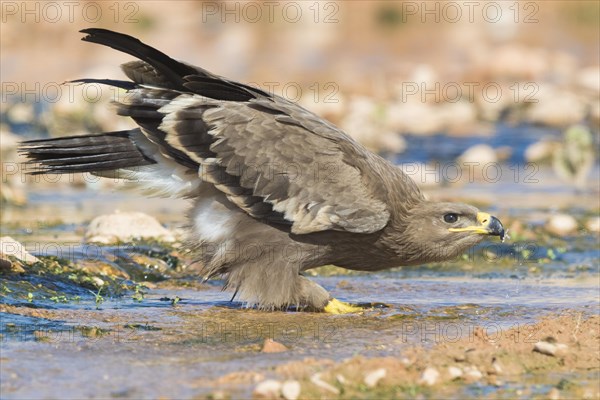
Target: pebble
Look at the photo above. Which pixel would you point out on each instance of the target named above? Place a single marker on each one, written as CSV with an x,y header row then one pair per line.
x,y
290,390
589,79
271,346
373,377
454,372
550,349
8,267
540,151
593,224
481,154
429,376
217,395
126,226
554,394
11,247
496,367
269,388
561,224
472,373
341,379
97,281
316,380
557,108
414,117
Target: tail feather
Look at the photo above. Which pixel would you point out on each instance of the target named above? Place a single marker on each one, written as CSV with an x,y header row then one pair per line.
x,y
85,153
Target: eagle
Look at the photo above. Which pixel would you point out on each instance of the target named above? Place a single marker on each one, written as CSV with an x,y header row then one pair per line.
x,y
274,189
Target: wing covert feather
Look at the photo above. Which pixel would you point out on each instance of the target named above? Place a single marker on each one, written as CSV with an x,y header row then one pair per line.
x,y
280,154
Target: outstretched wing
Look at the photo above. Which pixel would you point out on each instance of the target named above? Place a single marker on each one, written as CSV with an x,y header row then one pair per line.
x,y
270,157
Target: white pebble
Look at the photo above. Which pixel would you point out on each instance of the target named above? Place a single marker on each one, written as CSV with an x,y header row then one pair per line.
x,y
554,394
10,247
373,377
97,281
497,367
316,379
540,151
561,224
269,388
550,349
124,227
290,390
472,373
480,154
341,379
593,224
429,376
454,372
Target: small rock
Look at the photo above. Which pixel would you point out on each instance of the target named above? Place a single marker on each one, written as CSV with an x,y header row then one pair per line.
x,y
472,374
554,394
540,151
414,117
341,379
561,224
267,389
496,367
97,281
290,390
271,346
406,361
479,163
480,154
589,79
458,116
12,184
126,226
430,376
588,394
10,247
21,113
216,395
558,108
593,224
317,381
454,372
373,377
7,267
550,349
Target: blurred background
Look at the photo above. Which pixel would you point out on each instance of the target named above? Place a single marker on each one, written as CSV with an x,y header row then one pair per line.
x,y
495,101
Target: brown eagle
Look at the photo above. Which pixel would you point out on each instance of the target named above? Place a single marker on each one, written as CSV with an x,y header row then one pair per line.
x,y
276,190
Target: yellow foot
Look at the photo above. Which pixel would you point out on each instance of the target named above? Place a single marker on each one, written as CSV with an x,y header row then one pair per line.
x,y
339,307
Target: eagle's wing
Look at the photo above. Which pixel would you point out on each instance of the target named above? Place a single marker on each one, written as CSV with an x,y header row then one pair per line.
x,y
275,164
270,157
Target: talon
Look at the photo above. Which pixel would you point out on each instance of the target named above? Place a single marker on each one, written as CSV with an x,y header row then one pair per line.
x,y
339,307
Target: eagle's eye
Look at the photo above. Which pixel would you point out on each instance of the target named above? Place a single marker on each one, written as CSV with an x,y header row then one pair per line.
x,y
450,218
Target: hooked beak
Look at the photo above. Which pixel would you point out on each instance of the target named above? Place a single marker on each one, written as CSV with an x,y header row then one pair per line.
x,y
489,225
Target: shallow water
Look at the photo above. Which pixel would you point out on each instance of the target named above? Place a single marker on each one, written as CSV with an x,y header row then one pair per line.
x,y
125,348
131,341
